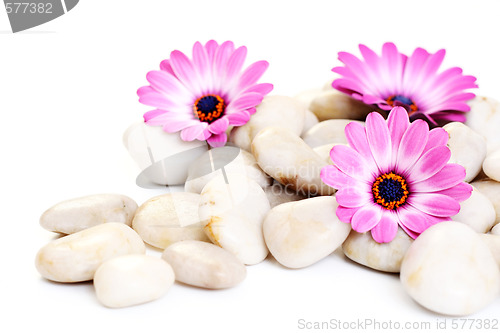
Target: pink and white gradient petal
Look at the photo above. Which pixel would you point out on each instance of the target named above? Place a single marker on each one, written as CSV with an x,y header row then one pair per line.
x,y
366,218
385,231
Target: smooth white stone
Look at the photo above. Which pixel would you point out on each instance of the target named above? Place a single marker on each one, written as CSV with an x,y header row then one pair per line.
x,y
467,148
386,257
289,160
477,212
484,119
278,194
204,265
310,120
495,230
232,159
491,165
169,218
164,158
332,104
77,214
324,151
299,234
450,270
493,243
75,258
281,111
307,96
132,279
328,131
233,213
491,189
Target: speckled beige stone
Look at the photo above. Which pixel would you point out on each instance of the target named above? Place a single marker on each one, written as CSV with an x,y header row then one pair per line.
x,y
386,257
132,279
169,218
450,270
204,265
332,104
81,213
76,257
299,234
289,160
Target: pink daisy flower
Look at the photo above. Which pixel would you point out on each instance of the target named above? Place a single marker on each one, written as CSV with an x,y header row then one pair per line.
x,y
393,79
395,173
202,97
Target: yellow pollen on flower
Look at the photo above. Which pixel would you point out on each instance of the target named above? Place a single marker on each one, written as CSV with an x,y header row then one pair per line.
x,y
209,108
390,191
405,100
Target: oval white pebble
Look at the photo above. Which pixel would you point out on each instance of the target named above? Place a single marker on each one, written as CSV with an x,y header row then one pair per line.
x,y
76,257
477,212
495,230
299,234
450,270
332,104
386,257
483,118
232,214
282,111
327,132
278,194
289,160
467,148
204,265
78,214
228,159
169,218
491,189
491,165
310,120
132,279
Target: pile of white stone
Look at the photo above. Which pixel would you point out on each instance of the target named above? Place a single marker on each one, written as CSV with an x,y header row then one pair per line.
x,y
270,198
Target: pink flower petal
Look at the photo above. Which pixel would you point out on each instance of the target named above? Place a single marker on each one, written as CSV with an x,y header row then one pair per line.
x,y
351,163
253,73
434,204
397,122
238,118
345,213
356,137
261,88
217,140
412,145
184,70
437,137
162,117
165,66
379,140
169,86
244,102
460,192
385,231
235,62
211,47
332,176
191,133
176,125
449,176
429,164
219,126
413,219
409,232
353,197
366,218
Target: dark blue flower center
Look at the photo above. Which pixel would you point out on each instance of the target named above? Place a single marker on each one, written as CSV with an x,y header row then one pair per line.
x,y
209,108
390,190
402,99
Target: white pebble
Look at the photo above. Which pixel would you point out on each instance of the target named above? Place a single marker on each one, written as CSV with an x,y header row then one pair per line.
x,y
491,189
310,120
204,265
281,111
332,104
449,269
232,214
477,212
326,132
77,214
228,159
132,279
278,194
385,257
307,96
299,234
467,148
324,151
163,158
491,165
289,160
169,218
484,119
75,258
493,243
495,230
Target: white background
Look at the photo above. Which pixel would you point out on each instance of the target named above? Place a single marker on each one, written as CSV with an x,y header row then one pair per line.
x,y
67,93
